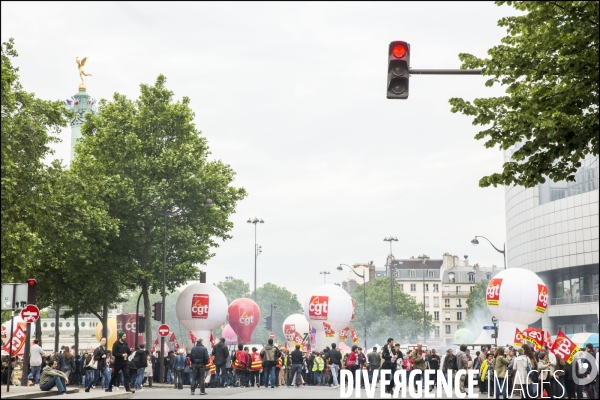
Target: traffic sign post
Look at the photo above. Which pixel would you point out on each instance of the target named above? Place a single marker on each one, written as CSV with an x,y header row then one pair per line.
x,y
164,330
272,335
14,296
30,313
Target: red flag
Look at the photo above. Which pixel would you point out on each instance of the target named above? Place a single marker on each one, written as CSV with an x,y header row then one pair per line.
x,y
211,339
534,336
172,338
344,333
192,337
176,346
564,348
354,336
548,340
329,332
518,339
154,345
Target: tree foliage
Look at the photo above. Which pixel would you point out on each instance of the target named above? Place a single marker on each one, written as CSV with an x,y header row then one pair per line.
x,y
234,288
548,63
151,159
408,314
477,309
286,304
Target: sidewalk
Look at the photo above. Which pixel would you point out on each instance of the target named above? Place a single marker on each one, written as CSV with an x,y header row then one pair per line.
x,y
34,392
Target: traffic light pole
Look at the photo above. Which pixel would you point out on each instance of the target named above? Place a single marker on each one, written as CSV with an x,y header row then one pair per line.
x,y
445,71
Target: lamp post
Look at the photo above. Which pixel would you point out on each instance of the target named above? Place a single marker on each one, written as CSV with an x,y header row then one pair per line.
x,y
424,259
475,242
257,248
207,203
391,239
364,298
495,322
324,273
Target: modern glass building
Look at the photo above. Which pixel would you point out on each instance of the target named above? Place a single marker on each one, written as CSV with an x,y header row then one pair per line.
x,y
552,230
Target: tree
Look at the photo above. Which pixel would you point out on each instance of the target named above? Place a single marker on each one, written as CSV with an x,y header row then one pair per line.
x,y
153,161
29,125
408,314
549,64
477,309
234,289
287,304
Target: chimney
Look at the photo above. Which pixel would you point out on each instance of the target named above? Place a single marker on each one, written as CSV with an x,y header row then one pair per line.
x,y
493,268
476,267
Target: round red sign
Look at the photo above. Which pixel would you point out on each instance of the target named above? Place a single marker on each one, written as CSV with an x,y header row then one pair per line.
x,y
164,330
272,335
31,313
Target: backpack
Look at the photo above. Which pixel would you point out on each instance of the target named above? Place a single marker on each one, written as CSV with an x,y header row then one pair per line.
x,y
139,360
454,363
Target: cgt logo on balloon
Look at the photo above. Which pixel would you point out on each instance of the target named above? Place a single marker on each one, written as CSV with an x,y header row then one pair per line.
x,y
246,316
290,332
318,307
492,295
200,303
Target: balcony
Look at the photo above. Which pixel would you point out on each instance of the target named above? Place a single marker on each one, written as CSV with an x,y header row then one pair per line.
x,y
588,298
454,294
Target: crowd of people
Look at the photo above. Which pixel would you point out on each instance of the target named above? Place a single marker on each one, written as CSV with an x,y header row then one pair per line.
x,y
524,371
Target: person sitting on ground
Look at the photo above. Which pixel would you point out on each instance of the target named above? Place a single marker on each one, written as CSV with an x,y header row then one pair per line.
x,y
52,377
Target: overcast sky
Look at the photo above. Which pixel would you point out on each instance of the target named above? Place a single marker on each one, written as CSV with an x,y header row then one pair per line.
x,y
292,96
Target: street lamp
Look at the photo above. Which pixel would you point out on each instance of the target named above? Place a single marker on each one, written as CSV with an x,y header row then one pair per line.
x,y
324,273
495,322
424,259
391,239
364,297
475,242
257,248
207,203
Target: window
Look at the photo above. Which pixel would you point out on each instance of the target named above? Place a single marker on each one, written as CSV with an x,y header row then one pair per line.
x,y
60,324
437,331
45,324
446,316
68,324
436,301
436,288
471,289
471,276
52,325
402,287
427,287
436,315
458,290
447,302
446,290
426,301
430,274
488,276
83,324
448,329
458,302
412,273
413,287
459,316
451,277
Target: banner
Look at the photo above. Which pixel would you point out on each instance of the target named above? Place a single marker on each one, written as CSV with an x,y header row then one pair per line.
x,y
344,333
534,336
18,341
564,348
329,332
127,323
518,340
354,336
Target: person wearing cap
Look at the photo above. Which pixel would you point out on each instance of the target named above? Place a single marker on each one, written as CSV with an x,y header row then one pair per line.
x,y
120,351
141,362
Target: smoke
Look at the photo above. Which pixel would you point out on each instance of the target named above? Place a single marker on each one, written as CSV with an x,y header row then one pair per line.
x,y
480,317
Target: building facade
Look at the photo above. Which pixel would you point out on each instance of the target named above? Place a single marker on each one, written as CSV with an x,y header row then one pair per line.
x,y
552,230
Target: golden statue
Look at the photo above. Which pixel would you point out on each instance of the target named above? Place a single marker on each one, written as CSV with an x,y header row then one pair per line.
x,y
82,73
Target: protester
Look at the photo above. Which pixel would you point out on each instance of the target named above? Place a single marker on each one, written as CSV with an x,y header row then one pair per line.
x,y
66,362
221,353
52,377
199,357
335,363
419,356
374,361
36,355
96,364
590,388
500,365
434,364
148,370
269,355
239,366
120,351
389,355
140,360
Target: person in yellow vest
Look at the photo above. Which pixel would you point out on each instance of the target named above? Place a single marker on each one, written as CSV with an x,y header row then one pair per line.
x,y
317,369
255,367
285,367
239,366
211,367
278,367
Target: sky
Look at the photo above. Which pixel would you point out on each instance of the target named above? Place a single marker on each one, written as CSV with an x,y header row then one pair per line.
x,y
292,96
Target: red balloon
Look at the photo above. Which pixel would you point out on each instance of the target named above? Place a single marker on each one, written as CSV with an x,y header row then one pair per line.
x,y
243,316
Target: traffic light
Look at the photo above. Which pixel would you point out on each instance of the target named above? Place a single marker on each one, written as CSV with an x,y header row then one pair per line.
x,y
157,311
398,70
141,325
269,323
31,290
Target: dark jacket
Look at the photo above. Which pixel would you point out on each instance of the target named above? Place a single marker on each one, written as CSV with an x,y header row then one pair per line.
x,y
220,351
64,365
199,355
374,360
387,355
141,359
335,357
179,362
119,350
98,353
297,357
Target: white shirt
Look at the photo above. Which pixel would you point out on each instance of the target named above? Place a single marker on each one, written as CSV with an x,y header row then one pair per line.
x,y
35,355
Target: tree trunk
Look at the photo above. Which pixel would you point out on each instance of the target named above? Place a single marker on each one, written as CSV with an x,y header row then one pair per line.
x,y
105,320
76,316
56,331
148,315
38,330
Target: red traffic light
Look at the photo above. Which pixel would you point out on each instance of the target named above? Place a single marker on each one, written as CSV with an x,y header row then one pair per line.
x,y
399,51
32,282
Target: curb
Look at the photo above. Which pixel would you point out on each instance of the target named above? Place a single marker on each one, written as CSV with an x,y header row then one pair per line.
x,y
37,394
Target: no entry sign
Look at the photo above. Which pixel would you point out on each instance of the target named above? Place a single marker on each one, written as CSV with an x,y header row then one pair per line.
x,y
30,313
164,330
272,335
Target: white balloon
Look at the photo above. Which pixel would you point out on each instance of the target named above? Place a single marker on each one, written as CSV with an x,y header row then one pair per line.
x,y
201,307
517,297
330,304
300,325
